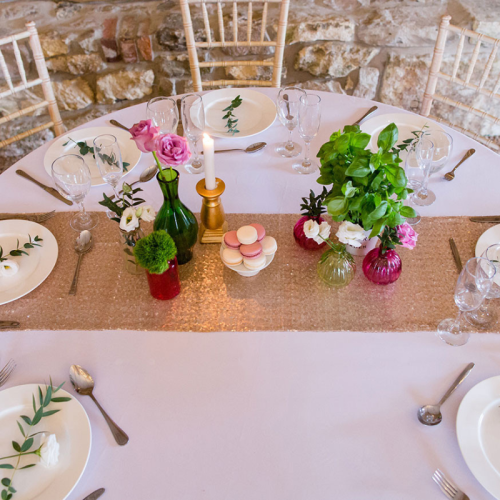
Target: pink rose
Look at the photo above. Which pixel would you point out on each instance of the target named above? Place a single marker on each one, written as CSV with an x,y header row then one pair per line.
x,y
407,236
144,135
172,150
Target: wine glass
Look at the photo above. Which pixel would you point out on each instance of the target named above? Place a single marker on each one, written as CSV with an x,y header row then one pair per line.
x,y
163,112
443,147
473,285
193,121
485,316
287,105
72,179
309,122
424,152
109,160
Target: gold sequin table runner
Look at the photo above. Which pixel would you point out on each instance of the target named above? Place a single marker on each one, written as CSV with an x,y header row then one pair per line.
x,y
286,296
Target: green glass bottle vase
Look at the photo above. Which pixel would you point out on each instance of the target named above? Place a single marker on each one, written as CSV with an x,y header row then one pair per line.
x,y
175,218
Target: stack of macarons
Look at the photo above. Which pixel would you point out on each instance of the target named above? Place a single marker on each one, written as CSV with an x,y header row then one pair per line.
x,y
249,246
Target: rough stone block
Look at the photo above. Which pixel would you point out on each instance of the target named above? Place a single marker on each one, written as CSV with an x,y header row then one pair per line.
x,y
79,64
367,83
144,41
129,85
108,41
485,15
53,45
336,29
73,94
325,86
332,59
171,36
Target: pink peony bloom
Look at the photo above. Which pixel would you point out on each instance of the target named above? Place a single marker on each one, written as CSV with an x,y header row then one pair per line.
x,y
172,150
144,135
407,236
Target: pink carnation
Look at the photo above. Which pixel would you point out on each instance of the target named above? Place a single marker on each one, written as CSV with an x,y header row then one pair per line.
x,y
407,236
144,135
172,150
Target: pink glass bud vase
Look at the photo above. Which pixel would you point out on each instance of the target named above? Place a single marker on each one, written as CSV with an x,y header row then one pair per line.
x,y
301,238
167,285
382,269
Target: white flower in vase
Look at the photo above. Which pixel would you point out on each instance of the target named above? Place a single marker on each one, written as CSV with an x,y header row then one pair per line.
x,y
129,220
147,213
49,450
351,234
311,228
8,268
324,232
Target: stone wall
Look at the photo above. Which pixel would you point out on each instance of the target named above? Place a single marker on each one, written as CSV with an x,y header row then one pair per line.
x,y
105,55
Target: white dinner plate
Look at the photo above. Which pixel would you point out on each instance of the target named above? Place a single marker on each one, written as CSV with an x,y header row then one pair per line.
x,y
130,153
33,268
72,429
256,113
478,433
489,237
406,123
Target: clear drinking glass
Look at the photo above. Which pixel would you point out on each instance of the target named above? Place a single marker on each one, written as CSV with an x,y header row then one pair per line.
x,y
287,105
485,315
109,160
72,179
443,147
163,112
193,121
473,285
309,122
415,176
424,152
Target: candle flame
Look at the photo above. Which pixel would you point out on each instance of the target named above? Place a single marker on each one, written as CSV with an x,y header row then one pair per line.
x,y
206,136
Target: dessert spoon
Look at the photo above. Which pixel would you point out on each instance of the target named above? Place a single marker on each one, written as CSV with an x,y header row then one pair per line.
x,y
253,148
83,244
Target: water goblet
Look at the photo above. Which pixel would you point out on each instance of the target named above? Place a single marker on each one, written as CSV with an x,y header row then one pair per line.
x,y
309,122
443,148
109,160
473,285
163,112
424,151
73,181
485,315
287,106
415,176
193,121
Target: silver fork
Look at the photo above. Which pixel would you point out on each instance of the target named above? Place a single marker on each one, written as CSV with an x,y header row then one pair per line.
x,y
6,371
449,489
33,218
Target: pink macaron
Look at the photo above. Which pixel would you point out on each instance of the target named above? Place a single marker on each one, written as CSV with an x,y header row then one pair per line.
x,y
231,240
261,232
251,251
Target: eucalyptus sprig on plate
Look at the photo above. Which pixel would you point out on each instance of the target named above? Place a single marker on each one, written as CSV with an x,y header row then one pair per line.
x,y
231,119
24,447
18,252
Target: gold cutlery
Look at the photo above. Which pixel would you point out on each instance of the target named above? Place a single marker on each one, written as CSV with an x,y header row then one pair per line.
x,y
451,175
289,117
180,127
39,218
7,325
95,495
486,218
253,148
369,112
6,371
456,255
47,189
119,125
83,245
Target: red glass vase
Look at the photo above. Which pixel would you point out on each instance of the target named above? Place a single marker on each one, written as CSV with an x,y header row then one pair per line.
x,y
301,238
165,286
382,269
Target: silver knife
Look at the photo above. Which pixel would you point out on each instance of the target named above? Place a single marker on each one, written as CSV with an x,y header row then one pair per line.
x,y
456,255
486,218
7,325
95,495
180,127
47,189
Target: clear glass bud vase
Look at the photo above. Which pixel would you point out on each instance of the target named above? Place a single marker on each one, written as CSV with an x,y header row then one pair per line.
x,y
336,267
128,240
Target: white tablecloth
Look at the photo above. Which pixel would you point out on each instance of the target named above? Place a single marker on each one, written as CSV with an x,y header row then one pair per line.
x,y
258,416
265,182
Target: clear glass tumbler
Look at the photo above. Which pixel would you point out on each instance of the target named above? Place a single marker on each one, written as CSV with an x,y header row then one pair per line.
x,y
164,114
287,106
424,151
193,121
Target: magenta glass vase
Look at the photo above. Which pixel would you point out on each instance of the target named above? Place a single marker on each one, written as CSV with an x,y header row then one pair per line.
x,y
382,269
301,238
165,286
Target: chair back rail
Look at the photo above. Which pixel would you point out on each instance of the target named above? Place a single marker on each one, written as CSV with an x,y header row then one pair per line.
x,y
279,44
43,80
436,73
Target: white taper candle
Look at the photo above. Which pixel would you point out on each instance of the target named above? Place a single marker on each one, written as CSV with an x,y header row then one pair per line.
x,y
209,159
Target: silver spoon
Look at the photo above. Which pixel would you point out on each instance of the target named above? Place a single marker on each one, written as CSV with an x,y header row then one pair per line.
x,y
253,148
83,384
83,244
289,117
431,414
146,175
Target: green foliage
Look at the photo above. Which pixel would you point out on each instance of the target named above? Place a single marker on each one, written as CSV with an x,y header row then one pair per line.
x,y
366,188
127,200
18,252
155,251
231,119
86,149
313,207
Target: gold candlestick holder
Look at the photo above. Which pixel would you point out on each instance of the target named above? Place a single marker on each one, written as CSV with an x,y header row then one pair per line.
x,y
213,220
